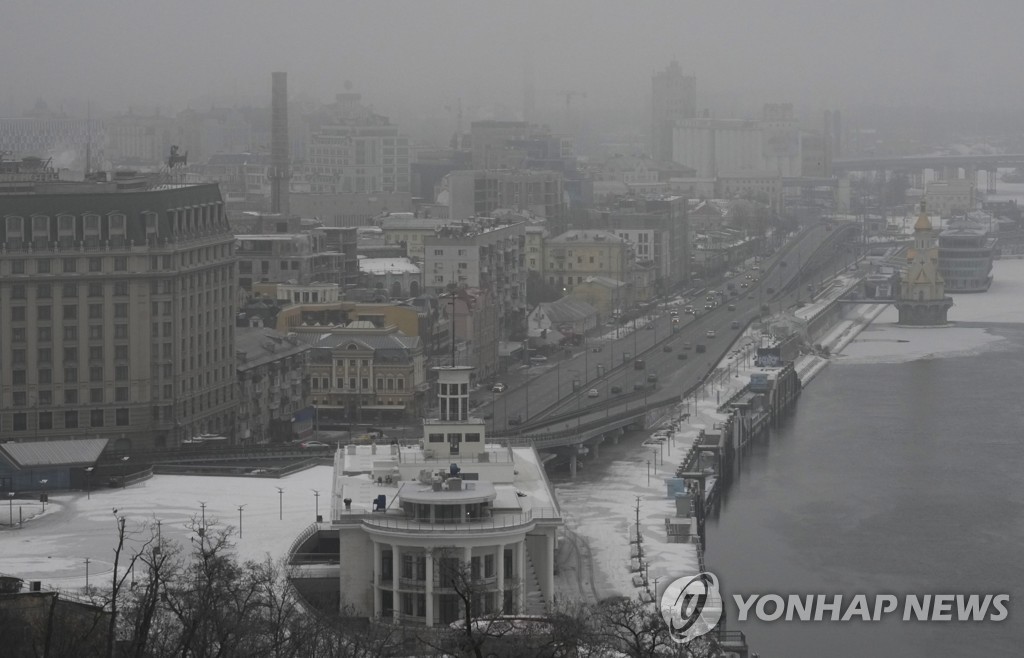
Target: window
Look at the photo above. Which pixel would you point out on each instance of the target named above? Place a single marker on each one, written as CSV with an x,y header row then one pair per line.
x,y
44,291
95,311
365,383
121,352
18,313
96,332
20,422
70,419
96,353
95,290
71,332
45,420
96,396
17,267
18,335
69,290
120,331
18,357
489,565
70,375
43,266
121,264
70,312
121,289
19,398
121,394
96,418
18,291
121,417
121,373
120,310
473,438
70,354
71,396
45,377
43,313
70,265
435,438
44,355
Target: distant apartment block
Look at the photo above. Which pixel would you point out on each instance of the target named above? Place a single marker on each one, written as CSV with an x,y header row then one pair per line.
x,y
478,193
273,386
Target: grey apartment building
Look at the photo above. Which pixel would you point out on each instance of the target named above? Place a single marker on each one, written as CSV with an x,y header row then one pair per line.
x,y
116,313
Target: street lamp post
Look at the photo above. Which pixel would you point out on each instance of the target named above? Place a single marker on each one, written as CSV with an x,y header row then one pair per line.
x,y
124,469
86,574
240,508
316,495
43,497
202,506
648,472
10,504
88,482
280,503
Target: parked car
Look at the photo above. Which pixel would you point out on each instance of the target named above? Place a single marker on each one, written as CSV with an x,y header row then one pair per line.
x,y
313,444
515,420
615,390
596,349
650,443
639,386
667,348
732,307
538,359
498,388
734,324
652,377
770,291
710,333
687,345
701,348
744,285
593,393
681,356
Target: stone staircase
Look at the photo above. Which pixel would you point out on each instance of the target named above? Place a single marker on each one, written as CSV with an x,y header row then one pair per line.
x,y
535,604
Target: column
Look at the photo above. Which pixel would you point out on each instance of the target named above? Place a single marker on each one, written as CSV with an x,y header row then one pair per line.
x,y
547,579
521,577
376,579
500,566
396,564
430,588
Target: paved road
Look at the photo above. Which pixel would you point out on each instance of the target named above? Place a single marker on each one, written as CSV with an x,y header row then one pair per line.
x,y
550,392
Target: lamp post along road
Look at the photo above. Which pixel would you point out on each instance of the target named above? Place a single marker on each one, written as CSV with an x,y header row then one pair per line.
x,y
316,495
280,503
240,508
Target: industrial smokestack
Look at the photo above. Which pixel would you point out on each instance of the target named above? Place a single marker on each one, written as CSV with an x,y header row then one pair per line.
x,y
279,143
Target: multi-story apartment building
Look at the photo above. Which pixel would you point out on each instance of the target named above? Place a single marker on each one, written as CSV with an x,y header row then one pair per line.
x,y
357,151
486,254
367,373
657,228
273,386
966,252
118,313
287,257
673,98
478,193
454,514
573,256
409,231
535,236
952,197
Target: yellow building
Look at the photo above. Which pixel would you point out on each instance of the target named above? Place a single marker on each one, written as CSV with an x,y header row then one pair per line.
x,y
311,318
575,255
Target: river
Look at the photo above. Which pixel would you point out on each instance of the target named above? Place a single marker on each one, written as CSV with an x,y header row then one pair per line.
x,y
901,478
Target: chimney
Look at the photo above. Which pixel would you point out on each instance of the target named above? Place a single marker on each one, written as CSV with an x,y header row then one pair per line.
x,y
279,143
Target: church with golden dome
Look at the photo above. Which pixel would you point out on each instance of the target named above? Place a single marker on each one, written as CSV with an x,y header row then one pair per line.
x,y
922,300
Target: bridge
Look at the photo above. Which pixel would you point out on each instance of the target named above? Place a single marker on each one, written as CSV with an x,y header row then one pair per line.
x,y
950,165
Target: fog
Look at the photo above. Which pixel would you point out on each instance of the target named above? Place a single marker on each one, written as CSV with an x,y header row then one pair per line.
x,y
414,58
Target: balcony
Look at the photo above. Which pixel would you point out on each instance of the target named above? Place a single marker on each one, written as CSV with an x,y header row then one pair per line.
x,y
499,522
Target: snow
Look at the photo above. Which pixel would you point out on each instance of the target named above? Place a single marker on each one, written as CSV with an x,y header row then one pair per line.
x,y
52,547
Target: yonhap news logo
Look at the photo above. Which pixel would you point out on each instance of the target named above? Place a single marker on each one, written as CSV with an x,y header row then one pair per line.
x,y
691,606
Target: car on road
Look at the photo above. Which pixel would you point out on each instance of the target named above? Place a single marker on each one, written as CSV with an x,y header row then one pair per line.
x,y
744,285
732,307
596,349
313,444
770,291
710,333
593,393
650,325
615,390
667,348
687,346
681,356
639,386
758,267
735,324
701,348
651,444
498,388
538,359
652,377
660,435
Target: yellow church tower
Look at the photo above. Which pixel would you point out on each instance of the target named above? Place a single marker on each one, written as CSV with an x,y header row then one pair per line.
x,y
922,300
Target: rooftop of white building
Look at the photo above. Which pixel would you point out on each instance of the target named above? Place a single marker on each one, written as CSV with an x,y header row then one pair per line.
x,y
388,266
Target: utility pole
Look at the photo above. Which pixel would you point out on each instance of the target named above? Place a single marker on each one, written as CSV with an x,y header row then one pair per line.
x,y
639,540
240,508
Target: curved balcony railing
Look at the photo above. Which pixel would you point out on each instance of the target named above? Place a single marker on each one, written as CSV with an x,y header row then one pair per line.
x,y
497,522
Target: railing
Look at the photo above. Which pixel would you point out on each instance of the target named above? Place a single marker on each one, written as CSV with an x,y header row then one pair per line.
x,y
498,522
310,530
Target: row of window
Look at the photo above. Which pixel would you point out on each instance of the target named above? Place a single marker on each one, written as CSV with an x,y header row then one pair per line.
x,y
69,290
44,355
19,376
44,397
324,383
44,419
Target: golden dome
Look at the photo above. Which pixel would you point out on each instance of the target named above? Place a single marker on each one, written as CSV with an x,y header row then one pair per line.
x,y
923,223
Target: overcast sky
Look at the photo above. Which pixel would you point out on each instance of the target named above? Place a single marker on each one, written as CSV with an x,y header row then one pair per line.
x,y
816,53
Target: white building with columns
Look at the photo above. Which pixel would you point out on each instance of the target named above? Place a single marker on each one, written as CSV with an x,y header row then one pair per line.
x,y
421,528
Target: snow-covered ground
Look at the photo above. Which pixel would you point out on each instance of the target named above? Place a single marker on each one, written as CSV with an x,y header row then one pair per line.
x,y
52,547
